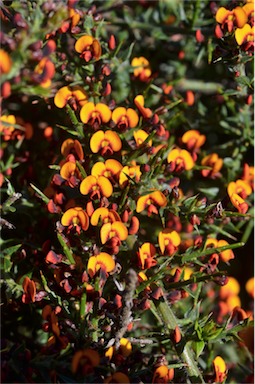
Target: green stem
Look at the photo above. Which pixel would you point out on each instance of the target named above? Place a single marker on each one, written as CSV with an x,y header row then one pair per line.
x,y
182,348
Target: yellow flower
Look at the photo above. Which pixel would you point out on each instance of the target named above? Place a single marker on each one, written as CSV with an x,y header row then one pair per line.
x,y
88,47
70,94
169,241
125,118
142,68
95,114
101,261
150,202
180,160
220,369
244,34
96,186
105,142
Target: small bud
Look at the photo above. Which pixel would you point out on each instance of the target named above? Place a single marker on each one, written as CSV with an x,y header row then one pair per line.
x,y
218,32
176,335
194,220
112,43
199,36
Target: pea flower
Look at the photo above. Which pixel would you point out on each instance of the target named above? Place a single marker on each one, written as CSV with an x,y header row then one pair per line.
x,y
193,139
163,374
115,229
245,35
169,241
215,163
238,191
73,95
85,361
150,202
74,147
180,160
75,218
140,136
225,256
139,102
132,171
125,118
220,369
104,215
95,114
125,349
70,173
146,256
96,187
142,68
88,47
111,169
101,261
44,72
237,17
105,142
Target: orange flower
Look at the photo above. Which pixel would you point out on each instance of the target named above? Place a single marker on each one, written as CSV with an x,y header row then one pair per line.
x,y
85,361
150,202
146,256
7,128
105,142
169,241
29,291
239,203
125,349
70,173
96,186
74,147
88,47
45,71
244,35
105,215
72,95
163,374
75,218
132,171
236,17
139,102
225,256
95,114
114,229
140,136
180,160
214,162
125,118
193,139
117,377
220,369
5,62
248,8
248,175
110,169
142,68
240,187
101,261
249,286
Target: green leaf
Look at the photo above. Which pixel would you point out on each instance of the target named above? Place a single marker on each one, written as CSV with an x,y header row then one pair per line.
x,y
67,251
198,347
40,193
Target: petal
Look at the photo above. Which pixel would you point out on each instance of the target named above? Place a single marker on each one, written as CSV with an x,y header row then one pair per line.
x,y
105,232
225,255
141,203
113,166
173,155
96,49
187,158
87,184
80,95
86,111
96,140
159,198
114,140
118,113
67,170
91,267
222,14
149,249
62,96
140,136
68,216
132,117
98,169
120,229
83,42
241,34
97,214
139,102
106,260
104,111
241,17
105,186
84,220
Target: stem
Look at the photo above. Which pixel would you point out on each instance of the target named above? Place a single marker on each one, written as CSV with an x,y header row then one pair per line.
x,y
183,350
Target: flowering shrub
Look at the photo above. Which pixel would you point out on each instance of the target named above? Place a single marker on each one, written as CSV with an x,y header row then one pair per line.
x,y
127,191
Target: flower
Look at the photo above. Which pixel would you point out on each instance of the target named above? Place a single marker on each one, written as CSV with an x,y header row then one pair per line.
x,y
142,68
117,377
240,187
163,374
105,142
75,218
125,118
105,215
132,171
110,169
248,175
72,146
29,291
85,360
220,369
239,203
249,286
214,162
245,35
102,261
146,256
248,8
236,17
96,186
95,114
44,72
140,136
168,241
7,128
150,201
5,62
180,160
125,349
88,47
114,229
72,95
139,102
193,139
226,255
70,173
